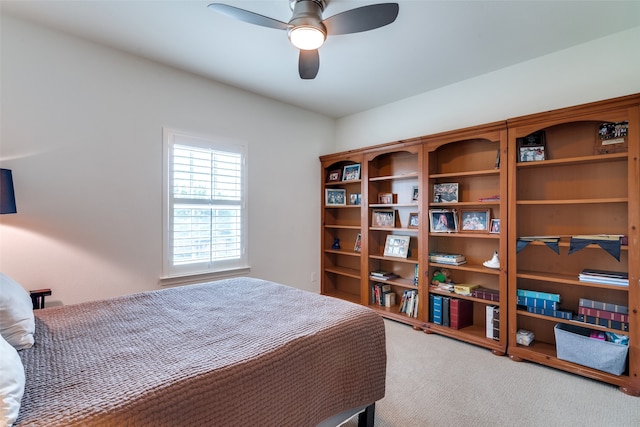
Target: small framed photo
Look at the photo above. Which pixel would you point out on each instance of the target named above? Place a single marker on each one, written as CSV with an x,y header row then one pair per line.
x,y
358,245
397,246
532,148
386,198
443,220
351,173
414,197
383,218
354,199
612,138
414,220
475,220
335,196
334,175
495,226
446,192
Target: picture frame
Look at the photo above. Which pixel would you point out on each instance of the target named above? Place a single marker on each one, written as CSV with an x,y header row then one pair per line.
x,y
397,246
414,196
351,172
532,148
355,199
495,226
386,198
385,218
612,138
334,175
335,197
443,221
445,192
414,220
475,220
357,247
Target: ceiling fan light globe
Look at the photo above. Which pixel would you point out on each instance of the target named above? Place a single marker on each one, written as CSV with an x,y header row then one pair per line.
x,y
306,37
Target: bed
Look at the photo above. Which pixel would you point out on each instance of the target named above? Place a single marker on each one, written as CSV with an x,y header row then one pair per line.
x,y
235,352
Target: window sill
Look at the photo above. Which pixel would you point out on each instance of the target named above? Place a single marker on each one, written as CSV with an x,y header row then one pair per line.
x,y
190,279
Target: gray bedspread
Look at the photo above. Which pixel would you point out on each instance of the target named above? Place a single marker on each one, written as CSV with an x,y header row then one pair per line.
x,y
236,352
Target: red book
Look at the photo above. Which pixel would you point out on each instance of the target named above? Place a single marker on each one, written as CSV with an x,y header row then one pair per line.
x,y
460,313
608,315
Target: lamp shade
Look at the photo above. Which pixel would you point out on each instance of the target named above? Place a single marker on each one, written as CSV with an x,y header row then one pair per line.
x,y
7,196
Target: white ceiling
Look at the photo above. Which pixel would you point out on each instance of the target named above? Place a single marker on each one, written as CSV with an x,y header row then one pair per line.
x,y
430,45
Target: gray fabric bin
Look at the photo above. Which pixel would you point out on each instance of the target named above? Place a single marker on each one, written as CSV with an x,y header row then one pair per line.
x,y
574,345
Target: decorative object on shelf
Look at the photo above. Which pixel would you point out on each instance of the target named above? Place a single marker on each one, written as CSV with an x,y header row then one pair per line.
x,y
357,247
414,196
335,197
610,243
441,276
334,175
524,337
612,138
336,244
7,194
383,218
475,220
532,148
494,262
386,198
443,220
497,163
397,246
414,220
495,226
351,173
354,199
445,192
551,241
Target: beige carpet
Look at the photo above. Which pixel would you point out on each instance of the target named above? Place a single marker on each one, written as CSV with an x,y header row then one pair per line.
x,y
438,381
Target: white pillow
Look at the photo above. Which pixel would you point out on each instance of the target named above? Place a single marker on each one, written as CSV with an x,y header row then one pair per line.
x,y
16,314
11,383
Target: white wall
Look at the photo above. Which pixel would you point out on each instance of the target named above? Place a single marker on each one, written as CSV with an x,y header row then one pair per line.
x,y
602,69
82,132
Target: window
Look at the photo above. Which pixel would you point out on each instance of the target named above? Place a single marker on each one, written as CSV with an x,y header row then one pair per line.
x,y
205,215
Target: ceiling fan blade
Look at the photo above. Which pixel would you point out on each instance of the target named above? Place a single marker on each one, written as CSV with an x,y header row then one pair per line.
x,y
360,19
250,17
308,64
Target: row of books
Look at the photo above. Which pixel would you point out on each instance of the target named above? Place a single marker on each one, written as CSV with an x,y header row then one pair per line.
x,y
452,312
604,277
409,303
492,322
445,258
544,303
381,294
613,316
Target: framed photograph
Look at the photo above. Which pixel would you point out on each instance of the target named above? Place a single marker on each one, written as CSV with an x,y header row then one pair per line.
x,y
383,218
414,220
351,173
358,245
495,226
397,246
414,197
612,138
335,197
386,198
334,176
532,148
445,192
354,199
443,220
475,220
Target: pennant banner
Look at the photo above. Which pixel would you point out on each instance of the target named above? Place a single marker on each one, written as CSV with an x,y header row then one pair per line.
x,y
551,242
611,244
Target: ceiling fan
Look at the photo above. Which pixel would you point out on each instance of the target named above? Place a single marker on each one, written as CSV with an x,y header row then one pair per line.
x,y
308,31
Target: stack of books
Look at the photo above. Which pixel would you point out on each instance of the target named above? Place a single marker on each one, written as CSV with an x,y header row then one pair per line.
x,y
409,303
382,275
444,258
613,316
488,294
543,303
604,277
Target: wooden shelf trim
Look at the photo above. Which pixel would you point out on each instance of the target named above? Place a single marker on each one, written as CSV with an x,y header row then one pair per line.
x,y
574,201
465,173
410,175
343,271
600,158
566,279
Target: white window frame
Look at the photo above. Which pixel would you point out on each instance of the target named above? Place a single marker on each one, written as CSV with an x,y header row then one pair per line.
x,y
186,273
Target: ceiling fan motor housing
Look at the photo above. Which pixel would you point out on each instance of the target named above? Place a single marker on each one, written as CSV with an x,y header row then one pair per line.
x,y
308,13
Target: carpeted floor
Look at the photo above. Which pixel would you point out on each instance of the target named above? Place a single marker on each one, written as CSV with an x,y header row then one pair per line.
x,y
438,381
